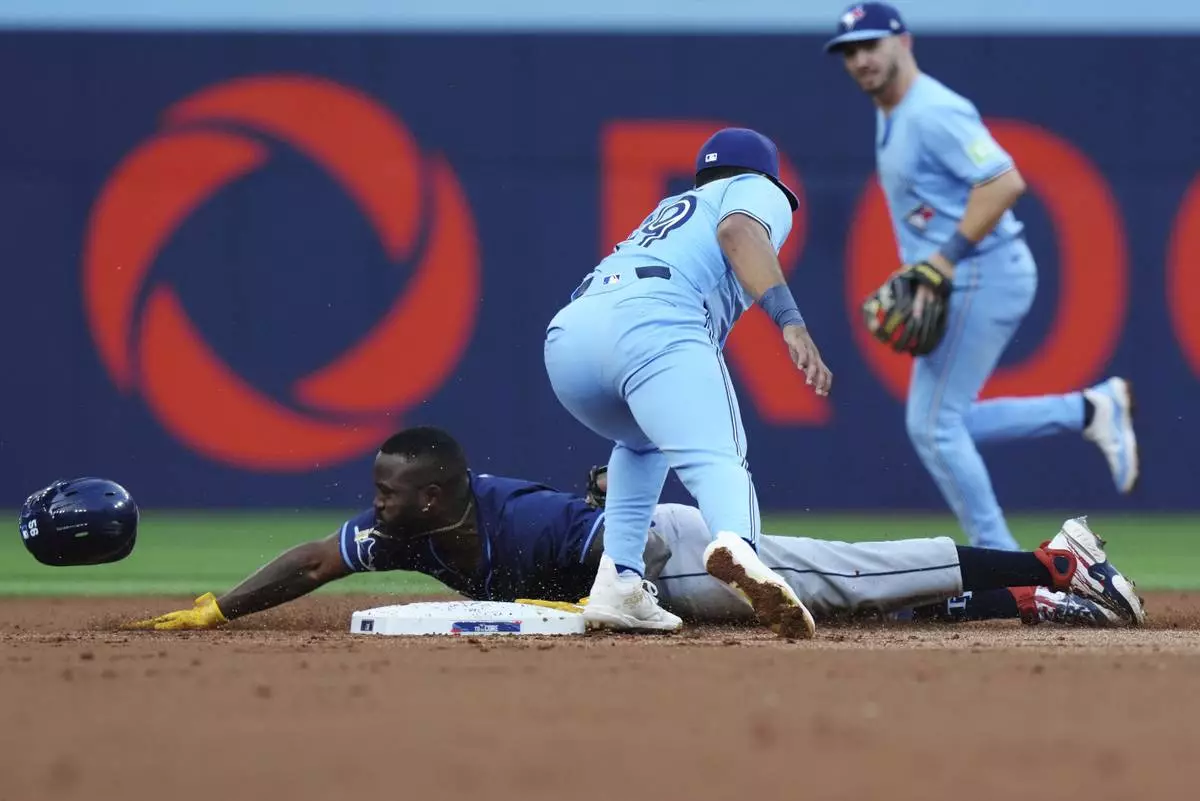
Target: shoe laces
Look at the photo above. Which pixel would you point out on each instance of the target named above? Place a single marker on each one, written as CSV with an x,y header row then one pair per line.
x,y
648,587
1068,609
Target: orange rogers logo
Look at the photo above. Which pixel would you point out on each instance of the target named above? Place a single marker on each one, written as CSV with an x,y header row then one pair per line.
x,y
152,346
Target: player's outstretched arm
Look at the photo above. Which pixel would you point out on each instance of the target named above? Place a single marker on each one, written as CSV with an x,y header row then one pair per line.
x,y
296,572
748,247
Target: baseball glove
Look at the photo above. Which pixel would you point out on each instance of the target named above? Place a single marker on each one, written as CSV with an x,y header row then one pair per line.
x,y
888,312
595,494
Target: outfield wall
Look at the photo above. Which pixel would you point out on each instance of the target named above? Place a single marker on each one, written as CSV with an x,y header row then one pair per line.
x,y
235,260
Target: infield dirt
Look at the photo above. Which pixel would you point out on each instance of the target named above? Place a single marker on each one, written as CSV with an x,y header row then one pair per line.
x,y
288,705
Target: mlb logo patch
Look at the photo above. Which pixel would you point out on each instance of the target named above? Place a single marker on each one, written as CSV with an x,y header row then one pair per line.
x,y
920,216
615,278
709,158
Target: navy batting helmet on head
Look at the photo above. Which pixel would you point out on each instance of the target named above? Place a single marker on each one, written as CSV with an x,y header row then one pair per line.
x,y
747,149
84,521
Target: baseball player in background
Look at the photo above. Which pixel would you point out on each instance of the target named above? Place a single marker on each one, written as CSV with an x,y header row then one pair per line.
x,y
950,189
636,356
493,538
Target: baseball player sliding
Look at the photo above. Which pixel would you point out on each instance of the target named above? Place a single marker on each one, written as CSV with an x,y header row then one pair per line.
x,y
636,356
968,280
504,539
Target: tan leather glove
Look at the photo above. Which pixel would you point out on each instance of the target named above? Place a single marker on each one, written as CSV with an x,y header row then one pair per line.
x,y
204,614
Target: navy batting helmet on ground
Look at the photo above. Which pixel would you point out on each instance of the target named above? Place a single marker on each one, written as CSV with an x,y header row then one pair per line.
x,y
84,521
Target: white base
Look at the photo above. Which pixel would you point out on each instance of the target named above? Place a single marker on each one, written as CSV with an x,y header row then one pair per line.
x,y
470,618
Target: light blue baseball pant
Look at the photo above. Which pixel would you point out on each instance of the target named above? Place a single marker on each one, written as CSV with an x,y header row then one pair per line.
x,y
992,294
643,371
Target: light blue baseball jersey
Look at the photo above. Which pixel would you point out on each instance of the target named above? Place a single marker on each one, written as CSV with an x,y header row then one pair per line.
x,y
681,233
930,151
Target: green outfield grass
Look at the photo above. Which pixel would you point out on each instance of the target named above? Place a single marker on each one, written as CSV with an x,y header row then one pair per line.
x,y
190,553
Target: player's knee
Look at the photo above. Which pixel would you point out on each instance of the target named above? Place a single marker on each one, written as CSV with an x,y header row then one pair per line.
x,y
933,434
921,437
919,426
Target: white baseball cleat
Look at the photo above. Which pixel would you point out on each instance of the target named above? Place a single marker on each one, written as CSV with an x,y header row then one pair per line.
x,y
625,603
730,559
1076,559
1111,430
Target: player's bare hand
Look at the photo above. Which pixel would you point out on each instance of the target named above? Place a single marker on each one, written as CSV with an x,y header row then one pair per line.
x,y
921,300
204,614
925,293
807,358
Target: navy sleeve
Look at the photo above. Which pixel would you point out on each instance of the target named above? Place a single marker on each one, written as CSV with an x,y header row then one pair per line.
x,y
359,545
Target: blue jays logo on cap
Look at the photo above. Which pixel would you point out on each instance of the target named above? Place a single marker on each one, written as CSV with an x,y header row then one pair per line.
x,y
851,17
862,22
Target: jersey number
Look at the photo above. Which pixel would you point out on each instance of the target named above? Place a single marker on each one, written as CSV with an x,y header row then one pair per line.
x,y
663,221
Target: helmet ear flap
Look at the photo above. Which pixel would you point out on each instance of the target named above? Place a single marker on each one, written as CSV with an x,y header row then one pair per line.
x,y
36,524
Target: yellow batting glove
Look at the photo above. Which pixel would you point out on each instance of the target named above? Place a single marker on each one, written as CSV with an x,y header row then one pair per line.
x,y
204,614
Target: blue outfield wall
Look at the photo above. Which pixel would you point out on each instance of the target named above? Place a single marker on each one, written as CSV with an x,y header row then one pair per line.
x,y
234,262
